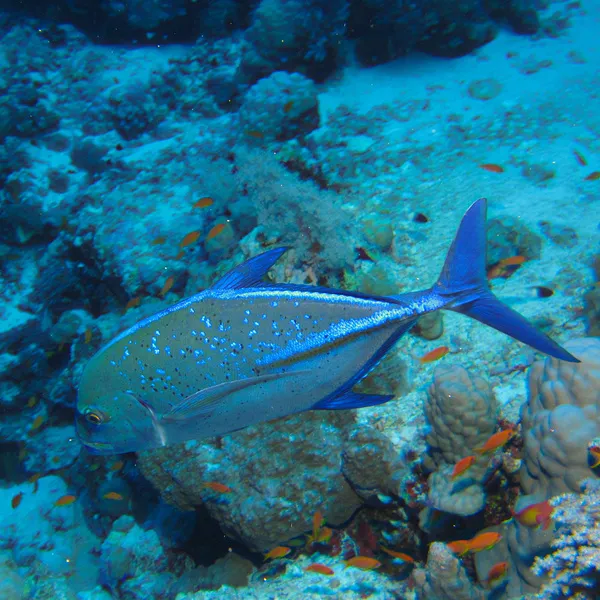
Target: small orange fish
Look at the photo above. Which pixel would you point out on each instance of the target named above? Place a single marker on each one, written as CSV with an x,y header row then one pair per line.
x,y
595,452
319,568
512,261
496,573
203,203
34,480
65,500
133,303
400,555
593,176
366,563
157,241
497,440
113,496
168,285
277,552
288,106
505,267
32,401
462,465
258,135
535,515
492,168
434,354
317,522
324,535
580,158
87,336
215,486
215,231
16,500
189,239
116,466
37,423
484,541
459,547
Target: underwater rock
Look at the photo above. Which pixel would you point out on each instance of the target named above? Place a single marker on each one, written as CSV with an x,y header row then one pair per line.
x,y
445,578
133,560
134,110
295,35
372,464
269,468
484,89
508,236
39,533
231,570
430,326
11,583
559,234
591,311
279,107
51,448
378,231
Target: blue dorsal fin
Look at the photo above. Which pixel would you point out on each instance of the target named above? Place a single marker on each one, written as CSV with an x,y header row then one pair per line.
x,y
251,272
351,399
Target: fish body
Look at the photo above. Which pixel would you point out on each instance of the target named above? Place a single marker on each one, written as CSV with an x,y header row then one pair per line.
x,y
460,547
495,441
319,568
399,555
497,573
435,354
484,541
277,552
215,486
65,500
462,465
366,563
535,515
243,351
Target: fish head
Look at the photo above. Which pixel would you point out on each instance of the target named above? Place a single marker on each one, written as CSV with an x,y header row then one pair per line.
x,y
115,423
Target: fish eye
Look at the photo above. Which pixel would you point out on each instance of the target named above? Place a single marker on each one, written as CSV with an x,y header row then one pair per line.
x,y
93,417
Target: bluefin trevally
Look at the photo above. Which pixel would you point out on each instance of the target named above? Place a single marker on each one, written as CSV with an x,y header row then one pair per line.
x,y
246,351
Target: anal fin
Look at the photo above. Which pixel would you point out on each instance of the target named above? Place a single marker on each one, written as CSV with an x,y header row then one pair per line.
x,y
352,399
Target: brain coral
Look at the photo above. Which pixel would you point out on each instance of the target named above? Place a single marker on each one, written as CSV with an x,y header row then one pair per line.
x,y
560,419
461,410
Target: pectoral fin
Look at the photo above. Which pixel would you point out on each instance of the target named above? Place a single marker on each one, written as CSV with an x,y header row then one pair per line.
x,y
205,401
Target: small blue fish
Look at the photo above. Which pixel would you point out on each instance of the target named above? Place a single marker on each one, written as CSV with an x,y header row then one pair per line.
x,y
245,351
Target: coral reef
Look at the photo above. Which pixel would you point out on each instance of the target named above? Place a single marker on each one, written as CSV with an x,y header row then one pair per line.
x,y
444,578
560,419
279,107
461,410
572,570
119,145
270,470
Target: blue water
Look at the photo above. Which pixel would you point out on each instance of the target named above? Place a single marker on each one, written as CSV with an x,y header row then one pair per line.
x,y
150,146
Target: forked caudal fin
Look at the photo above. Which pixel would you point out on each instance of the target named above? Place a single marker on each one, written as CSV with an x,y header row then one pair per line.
x,y
464,288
